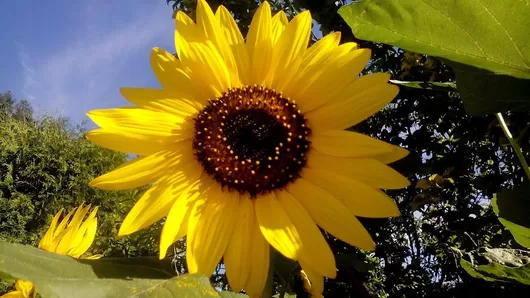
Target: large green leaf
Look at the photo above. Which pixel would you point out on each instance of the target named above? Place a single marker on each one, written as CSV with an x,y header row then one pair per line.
x,y
485,41
56,276
512,206
497,264
484,92
488,34
520,234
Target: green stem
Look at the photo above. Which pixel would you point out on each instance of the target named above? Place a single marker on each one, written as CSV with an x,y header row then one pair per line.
x,y
267,291
514,144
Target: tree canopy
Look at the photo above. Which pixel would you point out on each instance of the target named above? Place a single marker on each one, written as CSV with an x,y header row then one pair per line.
x,y
45,165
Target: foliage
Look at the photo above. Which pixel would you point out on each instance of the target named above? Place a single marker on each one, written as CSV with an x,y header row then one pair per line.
x,y
498,264
45,165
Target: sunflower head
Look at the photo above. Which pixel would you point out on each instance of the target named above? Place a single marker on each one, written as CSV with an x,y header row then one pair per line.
x,y
251,140
74,234
244,145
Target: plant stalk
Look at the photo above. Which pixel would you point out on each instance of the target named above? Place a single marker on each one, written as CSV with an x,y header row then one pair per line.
x,y
514,144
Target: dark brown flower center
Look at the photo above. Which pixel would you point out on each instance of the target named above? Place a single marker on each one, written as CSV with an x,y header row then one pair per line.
x,y
251,139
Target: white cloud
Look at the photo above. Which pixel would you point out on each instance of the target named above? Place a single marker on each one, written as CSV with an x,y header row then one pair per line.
x,y
80,73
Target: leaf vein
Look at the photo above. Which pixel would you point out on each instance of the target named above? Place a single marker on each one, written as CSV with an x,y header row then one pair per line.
x,y
505,31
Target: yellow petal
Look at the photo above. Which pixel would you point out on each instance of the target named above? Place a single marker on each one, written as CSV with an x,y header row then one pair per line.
x,y
314,57
207,68
320,54
186,32
136,143
212,30
144,170
62,227
162,100
320,49
288,52
209,71
46,242
14,294
342,115
139,120
315,250
322,86
346,92
343,143
359,85
85,235
369,171
210,227
278,230
25,287
361,199
279,22
238,255
396,154
331,214
176,224
171,74
158,199
237,43
348,47
68,240
259,263
259,44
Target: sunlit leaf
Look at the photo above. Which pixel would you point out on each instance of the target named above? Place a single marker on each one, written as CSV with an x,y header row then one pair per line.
x,y
56,276
513,209
497,264
485,41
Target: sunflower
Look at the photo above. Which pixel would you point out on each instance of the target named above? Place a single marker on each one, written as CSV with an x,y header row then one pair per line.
x,y
23,289
244,146
72,237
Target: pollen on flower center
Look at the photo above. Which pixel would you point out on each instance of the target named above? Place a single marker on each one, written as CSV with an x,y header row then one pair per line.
x,y
251,139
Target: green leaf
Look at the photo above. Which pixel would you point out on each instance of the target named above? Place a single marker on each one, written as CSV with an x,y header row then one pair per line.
x,y
520,234
498,264
485,41
513,209
487,34
448,87
353,261
483,92
56,276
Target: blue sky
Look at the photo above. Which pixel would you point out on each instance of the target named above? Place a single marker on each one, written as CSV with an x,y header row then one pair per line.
x,y
67,57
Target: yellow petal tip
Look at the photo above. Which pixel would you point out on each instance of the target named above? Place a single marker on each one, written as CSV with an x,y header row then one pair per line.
x,y
162,254
123,232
